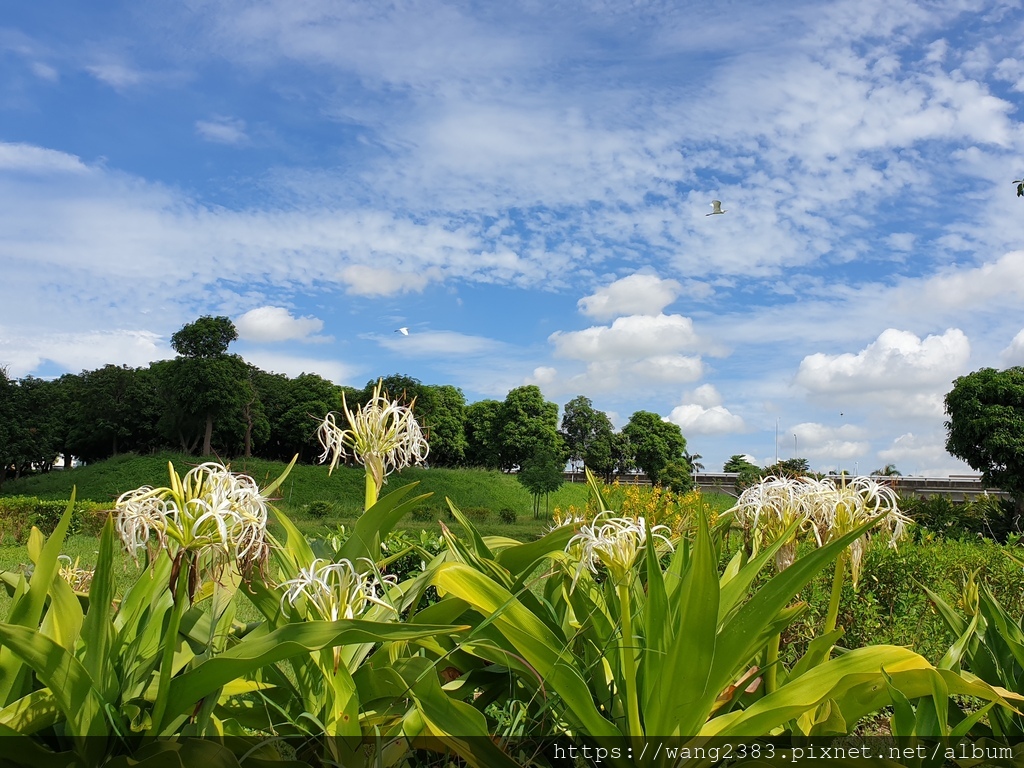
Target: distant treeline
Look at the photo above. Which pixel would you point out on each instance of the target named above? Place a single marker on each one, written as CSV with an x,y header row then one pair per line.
x,y
207,401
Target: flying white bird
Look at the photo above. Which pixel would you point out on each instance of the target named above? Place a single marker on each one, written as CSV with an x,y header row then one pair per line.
x,y
403,331
716,206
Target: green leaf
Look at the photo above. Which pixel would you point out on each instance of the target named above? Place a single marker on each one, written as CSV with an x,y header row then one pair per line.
x,y
98,628
459,726
31,713
531,637
290,640
28,610
682,702
377,522
73,690
520,560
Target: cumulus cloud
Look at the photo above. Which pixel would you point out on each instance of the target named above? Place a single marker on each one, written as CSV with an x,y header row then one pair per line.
x,y
702,413
80,351
922,454
899,373
701,420
638,294
28,157
269,324
827,444
223,130
1014,353
909,372
628,338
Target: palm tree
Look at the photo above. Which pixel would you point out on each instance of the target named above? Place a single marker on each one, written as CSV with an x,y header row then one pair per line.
x,y
693,459
888,471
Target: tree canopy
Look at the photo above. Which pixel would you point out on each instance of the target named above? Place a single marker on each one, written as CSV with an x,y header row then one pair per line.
x,y
654,443
986,426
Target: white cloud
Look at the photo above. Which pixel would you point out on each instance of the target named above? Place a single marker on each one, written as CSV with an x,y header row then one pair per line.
x,y
700,420
628,338
379,281
45,71
27,157
922,454
79,351
828,444
269,324
293,365
116,74
898,363
637,294
223,130
437,343
1014,353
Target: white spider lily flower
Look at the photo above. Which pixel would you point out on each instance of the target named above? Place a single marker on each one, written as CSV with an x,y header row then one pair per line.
x,y
613,542
337,590
215,515
852,504
383,436
768,508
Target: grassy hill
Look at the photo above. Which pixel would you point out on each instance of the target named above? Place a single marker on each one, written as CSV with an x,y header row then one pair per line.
x,y
105,481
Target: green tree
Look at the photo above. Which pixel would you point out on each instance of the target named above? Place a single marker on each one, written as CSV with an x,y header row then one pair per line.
x,y
206,337
677,476
441,411
116,409
528,423
541,474
788,468
749,473
986,427
889,470
483,422
588,435
205,385
655,443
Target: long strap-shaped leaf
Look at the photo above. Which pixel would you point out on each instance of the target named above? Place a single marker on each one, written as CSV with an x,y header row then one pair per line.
x,y
855,682
456,724
291,640
28,610
73,689
683,701
531,637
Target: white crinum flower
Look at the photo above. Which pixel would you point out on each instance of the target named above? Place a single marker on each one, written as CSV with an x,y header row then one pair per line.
x,y
382,436
823,510
768,508
842,508
337,590
219,516
613,542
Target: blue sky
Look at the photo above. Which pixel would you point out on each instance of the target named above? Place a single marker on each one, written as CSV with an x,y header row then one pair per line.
x,y
524,186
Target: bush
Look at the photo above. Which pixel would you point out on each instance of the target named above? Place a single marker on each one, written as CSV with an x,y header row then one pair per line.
x,y
988,517
476,514
18,514
507,515
320,509
429,514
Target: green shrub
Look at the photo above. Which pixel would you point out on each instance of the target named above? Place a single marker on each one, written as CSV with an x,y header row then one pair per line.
x,y
320,509
428,514
507,515
989,517
18,514
476,514
890,605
